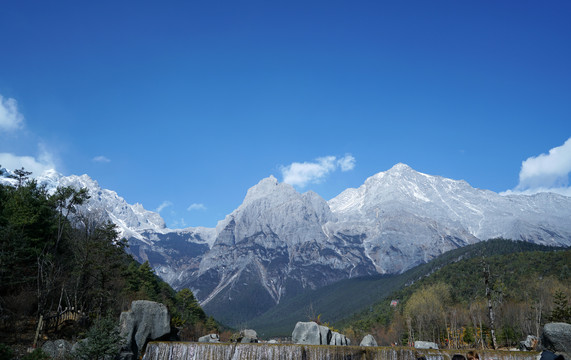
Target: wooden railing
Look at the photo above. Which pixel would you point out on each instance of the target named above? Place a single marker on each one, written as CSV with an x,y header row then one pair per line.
x,y
54,323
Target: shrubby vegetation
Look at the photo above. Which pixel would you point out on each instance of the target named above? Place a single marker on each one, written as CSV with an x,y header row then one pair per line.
x,y
528,289
55,256
370,296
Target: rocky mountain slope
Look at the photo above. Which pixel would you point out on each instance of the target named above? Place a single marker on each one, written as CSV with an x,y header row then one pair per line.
x,y
171,252
279,242
407,218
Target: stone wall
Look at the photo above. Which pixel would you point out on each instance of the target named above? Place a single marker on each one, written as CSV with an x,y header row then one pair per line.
x,y
190,351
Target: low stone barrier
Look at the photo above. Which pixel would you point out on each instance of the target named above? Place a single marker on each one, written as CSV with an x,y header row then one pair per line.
x,y
200,351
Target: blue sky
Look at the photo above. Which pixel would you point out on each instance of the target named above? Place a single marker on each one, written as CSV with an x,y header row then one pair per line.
x,y
184,105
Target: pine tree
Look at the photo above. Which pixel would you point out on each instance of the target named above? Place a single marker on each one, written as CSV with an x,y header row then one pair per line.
x,y
103,341
562,310
21,175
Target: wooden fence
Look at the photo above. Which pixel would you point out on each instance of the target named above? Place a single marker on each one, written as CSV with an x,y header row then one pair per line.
x,y
54,323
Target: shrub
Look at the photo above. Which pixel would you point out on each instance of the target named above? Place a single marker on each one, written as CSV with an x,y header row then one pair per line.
x,y
103,340
37,354
6,352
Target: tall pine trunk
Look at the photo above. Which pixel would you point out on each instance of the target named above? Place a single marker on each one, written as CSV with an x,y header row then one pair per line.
x,y
490,307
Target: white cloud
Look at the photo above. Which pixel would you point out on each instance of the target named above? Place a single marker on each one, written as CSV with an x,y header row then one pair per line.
x,y
163,205
346,163
196,206
10,120
10,117
301,174
546,172
101,159
44,161
178,224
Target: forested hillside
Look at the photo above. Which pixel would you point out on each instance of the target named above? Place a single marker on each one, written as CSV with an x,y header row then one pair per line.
x,y
527,289
337,303
55,257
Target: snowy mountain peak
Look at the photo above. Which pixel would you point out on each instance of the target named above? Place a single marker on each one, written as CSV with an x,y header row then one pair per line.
x,y
51,174
400,170
131,220
268,187
400,167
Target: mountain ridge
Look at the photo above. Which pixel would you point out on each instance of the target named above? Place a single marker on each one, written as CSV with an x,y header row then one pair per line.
x,y
279,242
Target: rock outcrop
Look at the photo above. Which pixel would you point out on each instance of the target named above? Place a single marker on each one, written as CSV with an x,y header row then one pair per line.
x,y
339,339
530,343
306,333
368,340
425,345
310,333
248,336
211,338
556,337
57,349
147,320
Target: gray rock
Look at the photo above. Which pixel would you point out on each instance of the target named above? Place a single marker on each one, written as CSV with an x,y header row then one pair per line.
x,y
425,345
529,344
368,340
78,345
324,335
124,355
336,339
49,348
211,338
556,337
147,320
248,336
306,333
58,349
249,333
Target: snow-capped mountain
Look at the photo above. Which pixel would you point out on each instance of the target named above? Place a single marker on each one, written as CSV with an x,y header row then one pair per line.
x,y
407,217
131,220
279,241
273,245
170,251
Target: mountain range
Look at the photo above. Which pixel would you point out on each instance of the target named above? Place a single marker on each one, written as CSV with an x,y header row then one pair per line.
x,y
280,242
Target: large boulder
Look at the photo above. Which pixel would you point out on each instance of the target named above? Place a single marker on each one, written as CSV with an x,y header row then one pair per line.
x,y
310,333
556,337
529,344
307,333
325,335
211,338
368,340
425,345
57,349
336,338
78,345
248,336
339,339
147,320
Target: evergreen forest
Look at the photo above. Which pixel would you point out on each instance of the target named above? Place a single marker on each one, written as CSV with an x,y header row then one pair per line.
x,y
528,285
56,257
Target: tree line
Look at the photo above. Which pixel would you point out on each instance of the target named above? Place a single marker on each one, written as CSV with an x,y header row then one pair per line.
x,y
451,306
55,254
